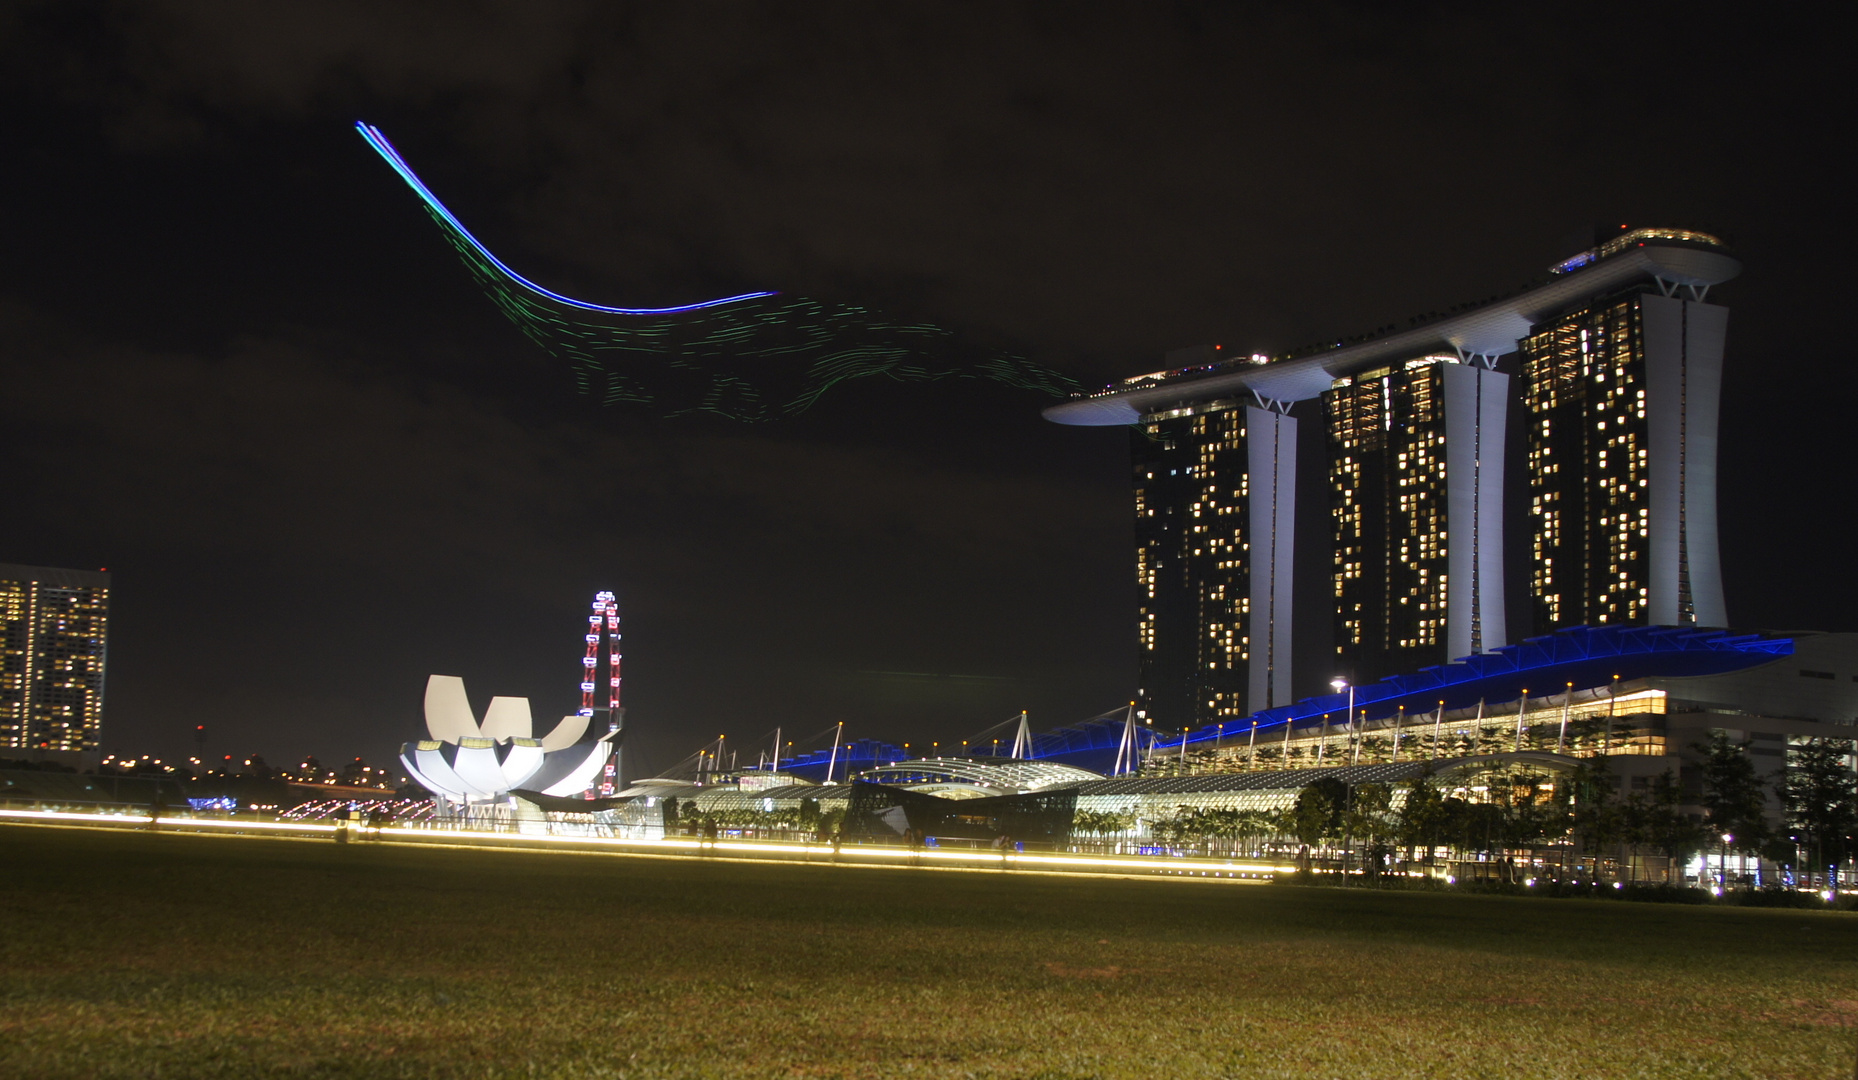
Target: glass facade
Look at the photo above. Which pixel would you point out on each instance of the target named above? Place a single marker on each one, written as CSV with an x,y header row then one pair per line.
x,y
53,628
1596,725
1387,476
1588,445
1620,400
1192,565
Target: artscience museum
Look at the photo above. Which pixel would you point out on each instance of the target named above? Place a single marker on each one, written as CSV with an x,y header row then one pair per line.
x,y
468,762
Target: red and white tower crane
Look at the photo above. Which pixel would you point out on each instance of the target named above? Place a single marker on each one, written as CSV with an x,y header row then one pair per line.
x,y
605,611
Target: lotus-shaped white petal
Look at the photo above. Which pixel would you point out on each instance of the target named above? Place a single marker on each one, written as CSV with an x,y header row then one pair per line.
x,y
465,761
566,733
582,774
409,758
448,711
520,762
477,763
507,718
439,776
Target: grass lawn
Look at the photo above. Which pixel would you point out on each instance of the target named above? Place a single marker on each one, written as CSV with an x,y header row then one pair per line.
x,y
135,954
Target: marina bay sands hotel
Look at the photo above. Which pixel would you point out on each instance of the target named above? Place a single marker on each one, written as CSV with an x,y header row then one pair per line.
x,y
1612,366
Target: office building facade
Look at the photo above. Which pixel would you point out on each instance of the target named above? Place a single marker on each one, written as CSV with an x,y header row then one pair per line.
x,y
54,633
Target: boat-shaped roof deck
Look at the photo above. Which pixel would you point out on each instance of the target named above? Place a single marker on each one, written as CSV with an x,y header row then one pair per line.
x,y
1677,258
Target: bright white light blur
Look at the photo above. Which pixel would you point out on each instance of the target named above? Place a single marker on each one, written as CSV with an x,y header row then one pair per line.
x,y
880,856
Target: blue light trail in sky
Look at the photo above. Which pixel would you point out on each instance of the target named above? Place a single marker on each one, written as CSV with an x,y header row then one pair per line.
x,y
386,149
755,356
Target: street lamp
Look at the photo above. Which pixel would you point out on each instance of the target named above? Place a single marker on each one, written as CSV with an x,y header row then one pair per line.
x,y
1340,685
1723,878
1355,742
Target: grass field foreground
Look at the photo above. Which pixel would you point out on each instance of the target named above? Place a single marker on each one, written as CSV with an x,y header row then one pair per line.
x,y
142,955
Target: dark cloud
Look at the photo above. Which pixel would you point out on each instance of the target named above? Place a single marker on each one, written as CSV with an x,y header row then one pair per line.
x,y
281,450
775,558
242,369
1040,174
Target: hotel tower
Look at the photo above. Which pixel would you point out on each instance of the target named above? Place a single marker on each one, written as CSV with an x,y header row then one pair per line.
x,y
1416,500
1215,503
1618,360
1622,396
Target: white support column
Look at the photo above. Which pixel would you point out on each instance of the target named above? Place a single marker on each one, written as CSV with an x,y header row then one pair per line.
x,y
1476,415
1271,514
1683,380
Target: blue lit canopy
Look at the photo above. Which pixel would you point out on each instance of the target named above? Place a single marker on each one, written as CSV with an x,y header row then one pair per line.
x,y
1586,656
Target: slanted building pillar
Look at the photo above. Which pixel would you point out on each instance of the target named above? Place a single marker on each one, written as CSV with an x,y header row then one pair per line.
x,y
1271,448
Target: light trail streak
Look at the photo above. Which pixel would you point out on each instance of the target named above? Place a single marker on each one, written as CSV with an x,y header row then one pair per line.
x,y
748,850
386,149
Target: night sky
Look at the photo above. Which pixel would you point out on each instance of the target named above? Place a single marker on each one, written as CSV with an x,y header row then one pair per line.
x,y
242,370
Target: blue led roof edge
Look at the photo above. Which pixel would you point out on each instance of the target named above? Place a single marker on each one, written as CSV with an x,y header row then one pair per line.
x,y
1565,647
1092,742
386,149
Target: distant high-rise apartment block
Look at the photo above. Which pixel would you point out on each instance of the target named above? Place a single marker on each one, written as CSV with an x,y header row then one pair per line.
x,y
1620,376
54,629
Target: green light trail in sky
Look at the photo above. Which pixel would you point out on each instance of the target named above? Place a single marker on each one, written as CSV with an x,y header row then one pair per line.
x,y
755,357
